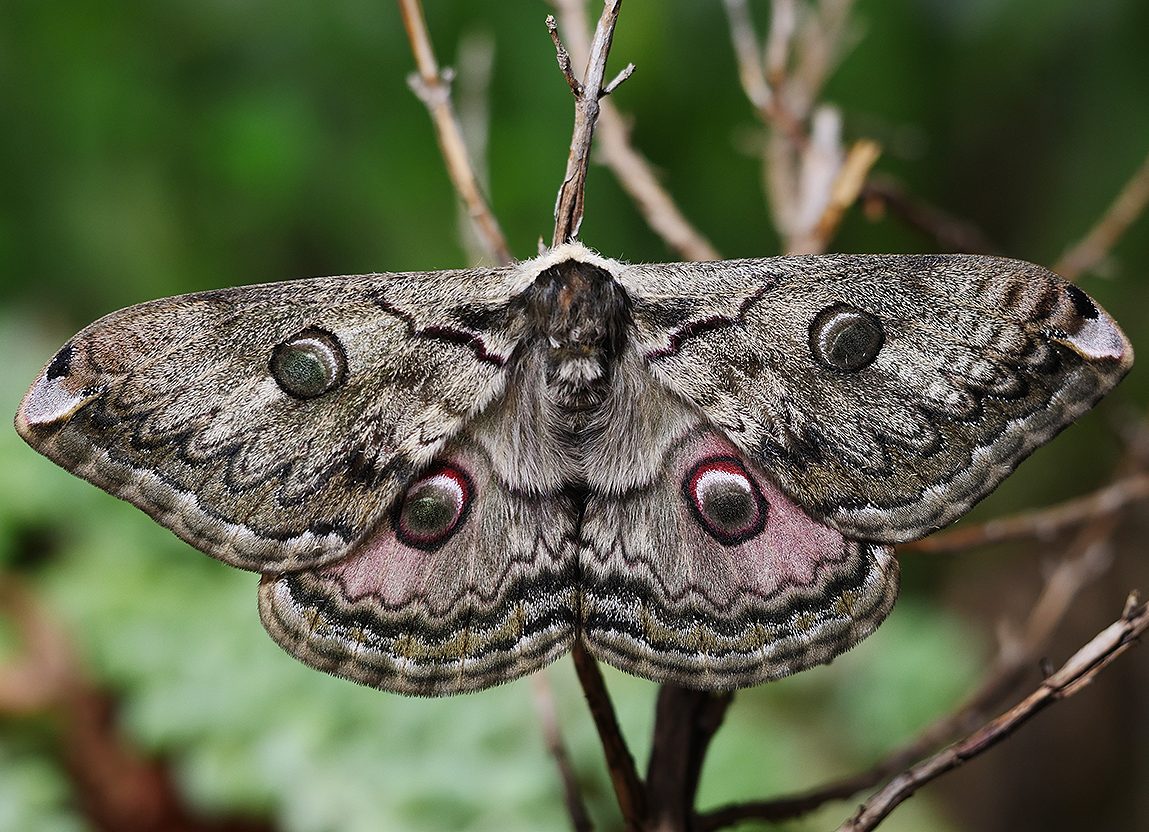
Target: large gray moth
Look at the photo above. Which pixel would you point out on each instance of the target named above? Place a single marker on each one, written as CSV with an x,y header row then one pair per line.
x,y
698,469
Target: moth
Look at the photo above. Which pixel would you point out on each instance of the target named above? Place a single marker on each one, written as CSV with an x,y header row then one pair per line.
x,y
697,469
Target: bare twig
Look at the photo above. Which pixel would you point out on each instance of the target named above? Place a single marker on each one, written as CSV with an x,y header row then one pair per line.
x,y
1081,669
552,735
751,72
1094,247
569,203
1043,523
633,171
564,58
434,89
763,85
476,61
803,154
628,789
950,233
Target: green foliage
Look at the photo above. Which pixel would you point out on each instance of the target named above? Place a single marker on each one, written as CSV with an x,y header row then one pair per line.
x,y
33,794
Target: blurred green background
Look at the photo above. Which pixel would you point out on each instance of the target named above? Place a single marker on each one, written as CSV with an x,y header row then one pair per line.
x,y
151,147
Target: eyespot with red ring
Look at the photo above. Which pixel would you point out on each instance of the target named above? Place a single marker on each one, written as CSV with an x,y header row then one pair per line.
x,y
726,501
434,507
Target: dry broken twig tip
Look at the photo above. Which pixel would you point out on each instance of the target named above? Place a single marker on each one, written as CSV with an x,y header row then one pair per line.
x,y
433,87
563,57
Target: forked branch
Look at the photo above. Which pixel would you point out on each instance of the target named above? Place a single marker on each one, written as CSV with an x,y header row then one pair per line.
x,y
634,172
587,92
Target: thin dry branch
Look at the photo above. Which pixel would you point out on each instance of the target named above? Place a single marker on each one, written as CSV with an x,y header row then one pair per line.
x,y
803,157
587,92
1043,523
544,699
1080,670
764,84
433,87
633,171
1095,246
628,788
847,186
476,62
882,193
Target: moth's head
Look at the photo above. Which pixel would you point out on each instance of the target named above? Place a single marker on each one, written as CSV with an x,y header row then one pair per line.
x,y
575,303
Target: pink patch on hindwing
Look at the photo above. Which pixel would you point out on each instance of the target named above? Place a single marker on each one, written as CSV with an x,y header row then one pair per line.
x,y
403,558
766,538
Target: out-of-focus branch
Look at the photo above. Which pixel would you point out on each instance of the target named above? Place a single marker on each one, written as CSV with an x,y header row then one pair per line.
x,y
844,192
1039,524
544,699
433,86
476,62
1094,247
1081,669
881,194
1086,560
113,784
633,171
804,159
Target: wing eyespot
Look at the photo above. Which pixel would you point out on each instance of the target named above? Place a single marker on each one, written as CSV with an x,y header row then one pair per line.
x,y
845,338
725,500
434,507
309,364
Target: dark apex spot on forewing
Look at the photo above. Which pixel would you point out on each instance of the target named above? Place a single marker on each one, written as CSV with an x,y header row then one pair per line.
x,y
61,365
1081,302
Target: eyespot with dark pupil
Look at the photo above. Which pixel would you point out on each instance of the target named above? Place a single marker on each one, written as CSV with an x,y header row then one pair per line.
x,y
433,508
846,338
725,500
309,364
